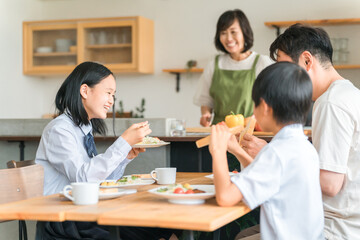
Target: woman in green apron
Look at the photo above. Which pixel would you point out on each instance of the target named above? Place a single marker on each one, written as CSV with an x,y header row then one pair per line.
x,y
226,84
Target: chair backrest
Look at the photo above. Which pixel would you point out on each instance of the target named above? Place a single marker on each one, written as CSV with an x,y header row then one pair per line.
x,y
14,164
21,183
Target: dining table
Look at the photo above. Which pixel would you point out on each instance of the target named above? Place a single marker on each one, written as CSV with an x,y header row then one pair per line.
x,y
141,209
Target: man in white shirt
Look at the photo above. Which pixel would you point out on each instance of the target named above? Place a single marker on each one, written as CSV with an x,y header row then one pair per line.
x,y
284,177
335,127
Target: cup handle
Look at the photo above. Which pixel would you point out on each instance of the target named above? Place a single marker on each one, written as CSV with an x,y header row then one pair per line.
x,y
66,192
151,174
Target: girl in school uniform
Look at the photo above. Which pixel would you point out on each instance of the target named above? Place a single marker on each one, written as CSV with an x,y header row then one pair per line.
x,y
68,154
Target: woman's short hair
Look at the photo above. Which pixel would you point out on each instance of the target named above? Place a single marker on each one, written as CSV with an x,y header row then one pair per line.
x,y
226,20
287,89
68,98
299,38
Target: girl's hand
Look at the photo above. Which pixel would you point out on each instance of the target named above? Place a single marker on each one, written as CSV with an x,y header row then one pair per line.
x,y
136,132
219,138
134,152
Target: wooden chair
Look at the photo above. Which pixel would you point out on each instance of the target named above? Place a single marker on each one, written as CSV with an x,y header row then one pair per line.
x,y
21,183
19,164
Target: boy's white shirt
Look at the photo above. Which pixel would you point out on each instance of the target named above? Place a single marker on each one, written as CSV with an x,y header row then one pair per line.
x,y
284,180
336,136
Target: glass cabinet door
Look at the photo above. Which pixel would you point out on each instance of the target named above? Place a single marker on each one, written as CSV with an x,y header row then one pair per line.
x,y
110,43
54,47
50,48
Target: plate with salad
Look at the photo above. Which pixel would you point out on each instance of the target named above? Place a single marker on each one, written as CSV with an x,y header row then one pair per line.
x,y
125,181
150,142
185,193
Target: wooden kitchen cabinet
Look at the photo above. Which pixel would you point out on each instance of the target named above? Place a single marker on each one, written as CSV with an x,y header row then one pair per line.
x,y
123,44
320,22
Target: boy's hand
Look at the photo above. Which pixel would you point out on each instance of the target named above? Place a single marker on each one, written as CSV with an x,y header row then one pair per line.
x,y
134,152
136,132
219,138
252,145
233,145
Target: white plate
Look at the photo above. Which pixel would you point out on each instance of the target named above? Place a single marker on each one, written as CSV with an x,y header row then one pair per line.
x,y
212,175
110,195
142,182
120,192
151,145
189,199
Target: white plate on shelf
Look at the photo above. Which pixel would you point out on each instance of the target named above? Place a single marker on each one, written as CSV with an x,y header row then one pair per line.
x,y
151,145
142,182
110,195
44,49
212,175
188,199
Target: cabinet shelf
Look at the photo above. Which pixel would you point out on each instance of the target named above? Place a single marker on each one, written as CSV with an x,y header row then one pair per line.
x,y
102,46
178,71
55,54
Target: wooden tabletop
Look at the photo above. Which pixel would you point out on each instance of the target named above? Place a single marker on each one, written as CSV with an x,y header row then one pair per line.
x,y
139,209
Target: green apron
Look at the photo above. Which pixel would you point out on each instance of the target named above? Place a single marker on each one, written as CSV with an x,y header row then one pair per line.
x,y
231,91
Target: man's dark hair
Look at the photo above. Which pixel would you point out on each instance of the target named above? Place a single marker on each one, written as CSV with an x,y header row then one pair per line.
x,y
299,38
226,20
68,98
287,89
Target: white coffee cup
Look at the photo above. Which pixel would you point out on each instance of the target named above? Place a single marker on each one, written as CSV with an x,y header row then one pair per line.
x,y
164,175
82,193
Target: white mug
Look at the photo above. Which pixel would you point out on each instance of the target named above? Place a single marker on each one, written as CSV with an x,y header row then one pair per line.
x,y
164,175
82,193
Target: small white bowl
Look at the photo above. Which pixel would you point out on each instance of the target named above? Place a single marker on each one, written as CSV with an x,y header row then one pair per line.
x,y
44,49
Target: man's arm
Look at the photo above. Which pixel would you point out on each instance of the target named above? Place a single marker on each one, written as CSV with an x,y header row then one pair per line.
x,y
252,145
331,182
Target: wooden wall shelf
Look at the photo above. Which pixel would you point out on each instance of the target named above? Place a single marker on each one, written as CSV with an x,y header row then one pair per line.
x,y
183,70
319,22
178,71
354,66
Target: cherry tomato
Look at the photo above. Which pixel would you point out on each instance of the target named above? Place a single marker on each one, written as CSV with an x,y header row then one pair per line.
x,y
189,191
178,190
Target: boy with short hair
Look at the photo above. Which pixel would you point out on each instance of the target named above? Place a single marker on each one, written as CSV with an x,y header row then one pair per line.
x,y
284,176
335,127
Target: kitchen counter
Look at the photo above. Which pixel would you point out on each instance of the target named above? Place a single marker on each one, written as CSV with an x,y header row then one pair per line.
x,y
20,138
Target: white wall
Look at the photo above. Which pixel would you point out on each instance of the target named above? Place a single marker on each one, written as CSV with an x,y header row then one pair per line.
x,y
184,30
